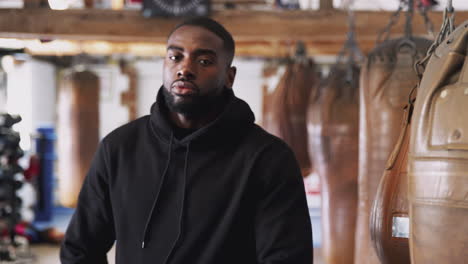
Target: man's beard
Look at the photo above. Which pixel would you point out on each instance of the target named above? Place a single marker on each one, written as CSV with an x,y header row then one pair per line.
x,y
196,105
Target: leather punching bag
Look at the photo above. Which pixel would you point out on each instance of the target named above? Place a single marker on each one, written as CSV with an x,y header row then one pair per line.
x,y
78,131
286,108
389,215
333,123
386,81
438,161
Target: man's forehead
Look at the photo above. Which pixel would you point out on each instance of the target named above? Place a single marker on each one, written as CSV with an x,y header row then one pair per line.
x,y
195,34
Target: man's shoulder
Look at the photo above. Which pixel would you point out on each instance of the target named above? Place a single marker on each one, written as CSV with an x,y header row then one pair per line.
x,y
260,139
271,154
127,132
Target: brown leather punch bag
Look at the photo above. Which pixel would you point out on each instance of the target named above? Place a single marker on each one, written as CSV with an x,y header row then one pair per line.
x,y
438,161
389,215
287,109
78,131
333,123
386,81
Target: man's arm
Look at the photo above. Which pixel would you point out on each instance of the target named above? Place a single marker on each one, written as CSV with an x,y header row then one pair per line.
x,y
283,228
90,233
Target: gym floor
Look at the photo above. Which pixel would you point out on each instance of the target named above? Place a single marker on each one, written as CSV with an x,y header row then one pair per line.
x,y
48,254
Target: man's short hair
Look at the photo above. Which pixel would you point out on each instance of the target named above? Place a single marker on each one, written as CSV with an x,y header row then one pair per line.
x,y
215,27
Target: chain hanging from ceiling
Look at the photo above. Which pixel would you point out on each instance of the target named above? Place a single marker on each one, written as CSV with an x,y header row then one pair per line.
x,y
422,6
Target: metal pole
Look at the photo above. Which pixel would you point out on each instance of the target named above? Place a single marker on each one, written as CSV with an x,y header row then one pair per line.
x,y
409,19
449,6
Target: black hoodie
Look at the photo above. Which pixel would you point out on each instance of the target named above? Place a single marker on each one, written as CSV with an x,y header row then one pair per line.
x,y
227,193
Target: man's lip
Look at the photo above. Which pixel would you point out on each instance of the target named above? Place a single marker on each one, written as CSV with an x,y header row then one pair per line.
x,y
183,88
184,84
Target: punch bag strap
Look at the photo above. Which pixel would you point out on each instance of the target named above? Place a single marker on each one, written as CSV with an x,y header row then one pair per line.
x,y
405,125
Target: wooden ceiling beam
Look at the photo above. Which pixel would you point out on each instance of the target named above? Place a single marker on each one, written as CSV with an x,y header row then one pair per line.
x,y
268,32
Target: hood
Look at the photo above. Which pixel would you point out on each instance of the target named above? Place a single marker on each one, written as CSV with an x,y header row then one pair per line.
x,y
236,118
234,121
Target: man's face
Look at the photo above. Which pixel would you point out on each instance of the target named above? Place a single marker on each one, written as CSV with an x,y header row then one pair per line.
x,y
195,70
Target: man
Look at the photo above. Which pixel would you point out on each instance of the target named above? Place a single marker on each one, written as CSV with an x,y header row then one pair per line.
x,y
195,182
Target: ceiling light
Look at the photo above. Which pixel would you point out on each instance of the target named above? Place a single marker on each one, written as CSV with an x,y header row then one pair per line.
x,y
59,4
8,63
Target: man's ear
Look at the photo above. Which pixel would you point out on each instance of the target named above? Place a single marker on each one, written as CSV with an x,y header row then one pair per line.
x,y
231,75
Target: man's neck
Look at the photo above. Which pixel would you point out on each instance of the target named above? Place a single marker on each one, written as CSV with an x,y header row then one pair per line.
x,y
183,121
200,119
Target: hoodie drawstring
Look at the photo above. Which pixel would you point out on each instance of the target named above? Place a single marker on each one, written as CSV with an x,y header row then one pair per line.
x,y
181,220
150,216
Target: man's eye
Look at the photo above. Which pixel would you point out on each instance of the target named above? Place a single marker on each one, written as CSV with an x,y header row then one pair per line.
x,y
174,57
205,62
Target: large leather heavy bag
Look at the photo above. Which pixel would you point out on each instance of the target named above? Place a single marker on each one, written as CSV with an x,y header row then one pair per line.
x,y
389,215
438,161
286,108
333,123
386,81
78,131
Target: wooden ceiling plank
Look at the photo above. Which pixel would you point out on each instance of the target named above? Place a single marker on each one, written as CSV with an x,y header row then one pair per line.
x,y
324,30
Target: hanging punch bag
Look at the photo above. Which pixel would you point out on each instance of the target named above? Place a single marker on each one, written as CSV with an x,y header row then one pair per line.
x,y
78,131
389,215
389,222
287,106
386,80
333,124
438,161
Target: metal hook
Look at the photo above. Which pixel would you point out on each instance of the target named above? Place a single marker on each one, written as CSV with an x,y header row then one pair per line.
x,y
301,50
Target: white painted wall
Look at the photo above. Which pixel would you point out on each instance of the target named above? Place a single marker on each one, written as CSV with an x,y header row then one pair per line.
x,y
149,82
248,84
43,88
31,94
3,87
112,84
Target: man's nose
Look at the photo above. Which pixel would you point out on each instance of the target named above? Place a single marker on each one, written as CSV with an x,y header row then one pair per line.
x,y
186,71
